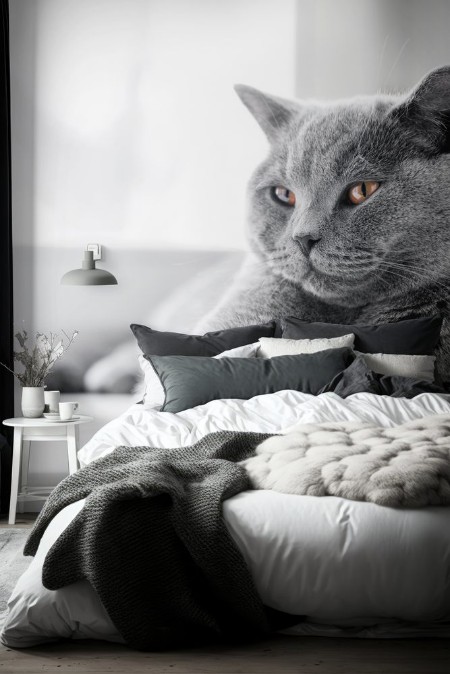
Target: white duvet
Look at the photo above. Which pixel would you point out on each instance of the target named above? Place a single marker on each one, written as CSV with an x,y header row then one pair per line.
x,y
350,567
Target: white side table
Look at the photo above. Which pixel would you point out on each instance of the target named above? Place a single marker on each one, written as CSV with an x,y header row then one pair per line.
x,y
38,430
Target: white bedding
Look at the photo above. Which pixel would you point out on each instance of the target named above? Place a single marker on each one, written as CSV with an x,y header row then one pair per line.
x,y
351,567
268,413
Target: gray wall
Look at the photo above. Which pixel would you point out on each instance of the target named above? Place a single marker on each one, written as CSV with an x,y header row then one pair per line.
x,y
350,47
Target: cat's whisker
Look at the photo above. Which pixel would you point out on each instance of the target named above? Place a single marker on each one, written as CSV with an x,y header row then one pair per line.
x,y
417,268
349,260
395,253
384,281
421,272
342,257
434,291
403,272
393,273
414,264
276,258
425,273
380,63
396,61
392,259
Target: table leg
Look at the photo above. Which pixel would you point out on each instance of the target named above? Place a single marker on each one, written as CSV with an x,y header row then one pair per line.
x,y
72,448
15,473
24,471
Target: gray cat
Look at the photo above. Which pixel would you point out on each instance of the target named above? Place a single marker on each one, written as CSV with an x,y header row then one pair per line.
x,y
350,212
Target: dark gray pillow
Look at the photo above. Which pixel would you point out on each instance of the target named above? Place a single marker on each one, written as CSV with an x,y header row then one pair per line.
x,y
359,378
414,337
156,343
188,381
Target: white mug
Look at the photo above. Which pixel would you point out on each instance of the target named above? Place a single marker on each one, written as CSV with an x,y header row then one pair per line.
x,y
66,410
51,399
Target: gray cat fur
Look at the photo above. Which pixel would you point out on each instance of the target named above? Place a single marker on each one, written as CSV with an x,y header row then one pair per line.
x,y
383,260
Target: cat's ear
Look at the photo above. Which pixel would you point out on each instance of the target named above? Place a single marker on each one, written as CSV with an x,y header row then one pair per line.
x,y
273,114
427,109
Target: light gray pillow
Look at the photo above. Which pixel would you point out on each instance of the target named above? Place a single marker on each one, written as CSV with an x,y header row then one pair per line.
x,y
415,367
271,346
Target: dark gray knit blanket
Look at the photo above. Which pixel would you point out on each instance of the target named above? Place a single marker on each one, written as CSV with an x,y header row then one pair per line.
x,y
152,541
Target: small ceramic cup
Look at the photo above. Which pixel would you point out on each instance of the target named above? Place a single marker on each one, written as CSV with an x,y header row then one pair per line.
x,y
66,410
51,399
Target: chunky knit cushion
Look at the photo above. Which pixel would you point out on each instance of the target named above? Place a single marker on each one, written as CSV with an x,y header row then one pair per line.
x,y
404,466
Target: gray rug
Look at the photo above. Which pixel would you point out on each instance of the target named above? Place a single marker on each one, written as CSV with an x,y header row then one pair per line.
x,y
12,564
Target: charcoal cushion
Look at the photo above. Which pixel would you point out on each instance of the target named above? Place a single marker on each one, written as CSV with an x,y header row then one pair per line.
x,y
415,336
157,343
188,381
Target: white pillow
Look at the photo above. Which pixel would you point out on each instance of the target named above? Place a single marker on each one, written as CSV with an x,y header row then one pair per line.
x,y
416,367
153,389
274,346
246,351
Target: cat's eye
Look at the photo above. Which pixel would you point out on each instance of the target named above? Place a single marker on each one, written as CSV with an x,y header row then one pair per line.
x,y
362,191
283,195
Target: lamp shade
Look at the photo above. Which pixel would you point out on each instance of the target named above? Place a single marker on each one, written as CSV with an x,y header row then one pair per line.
x,y
88,275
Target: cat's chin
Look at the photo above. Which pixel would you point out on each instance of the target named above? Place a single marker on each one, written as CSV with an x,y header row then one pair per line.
x,y
334,290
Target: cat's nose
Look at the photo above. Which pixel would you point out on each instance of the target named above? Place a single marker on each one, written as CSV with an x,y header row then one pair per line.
x,y
306,242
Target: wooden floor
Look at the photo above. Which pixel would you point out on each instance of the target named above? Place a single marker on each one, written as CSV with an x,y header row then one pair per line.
x,y
23,521
280,655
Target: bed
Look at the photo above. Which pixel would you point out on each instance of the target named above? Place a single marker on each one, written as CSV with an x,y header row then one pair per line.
x,y
352,568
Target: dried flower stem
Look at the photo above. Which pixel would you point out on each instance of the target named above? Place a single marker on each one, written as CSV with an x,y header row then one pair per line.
x,y
38,361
